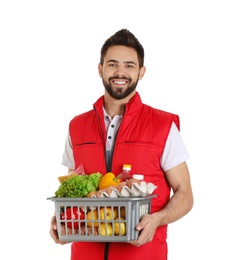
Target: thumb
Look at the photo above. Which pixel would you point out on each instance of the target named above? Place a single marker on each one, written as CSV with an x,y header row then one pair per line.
x,y
142,222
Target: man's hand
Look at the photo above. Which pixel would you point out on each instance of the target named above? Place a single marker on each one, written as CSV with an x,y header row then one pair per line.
x,y
53,232
147,226
178,206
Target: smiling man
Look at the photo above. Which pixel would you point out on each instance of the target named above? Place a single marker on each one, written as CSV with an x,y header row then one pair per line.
x,y
120,128
121,75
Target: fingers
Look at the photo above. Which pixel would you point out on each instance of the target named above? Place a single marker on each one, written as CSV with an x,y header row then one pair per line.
x,y
135,243
53,231
147,230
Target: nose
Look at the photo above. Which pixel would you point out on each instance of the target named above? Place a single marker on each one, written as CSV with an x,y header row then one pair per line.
x,y
120,72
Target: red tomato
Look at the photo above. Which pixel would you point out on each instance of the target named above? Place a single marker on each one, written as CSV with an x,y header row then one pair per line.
x,y
73,213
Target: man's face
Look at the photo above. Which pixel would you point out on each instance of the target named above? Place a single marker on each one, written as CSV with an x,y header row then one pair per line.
x,y
120,72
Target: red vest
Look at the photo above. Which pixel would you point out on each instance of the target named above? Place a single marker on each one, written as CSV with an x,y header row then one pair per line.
x,y
140,142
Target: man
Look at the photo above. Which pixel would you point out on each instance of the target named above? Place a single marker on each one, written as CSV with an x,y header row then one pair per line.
x,y
120,128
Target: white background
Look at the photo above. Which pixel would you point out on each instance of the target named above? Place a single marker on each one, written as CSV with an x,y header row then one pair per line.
x,y
49,53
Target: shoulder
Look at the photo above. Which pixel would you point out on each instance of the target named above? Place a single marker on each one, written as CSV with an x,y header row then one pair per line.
x,y
82,116
162,115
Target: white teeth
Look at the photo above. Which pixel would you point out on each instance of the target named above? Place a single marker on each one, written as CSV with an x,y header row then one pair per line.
x,y
120,82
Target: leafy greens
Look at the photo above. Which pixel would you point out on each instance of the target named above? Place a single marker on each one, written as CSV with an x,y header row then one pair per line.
x,y
79,185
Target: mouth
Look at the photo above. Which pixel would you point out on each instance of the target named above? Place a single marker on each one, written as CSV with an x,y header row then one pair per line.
x,y
120,81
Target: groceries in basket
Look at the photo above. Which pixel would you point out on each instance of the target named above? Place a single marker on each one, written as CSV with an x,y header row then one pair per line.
x,y
103,221
100,219
101,207
95,185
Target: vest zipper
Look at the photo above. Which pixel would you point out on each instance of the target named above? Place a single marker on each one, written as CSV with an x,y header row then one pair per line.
x,y
107,244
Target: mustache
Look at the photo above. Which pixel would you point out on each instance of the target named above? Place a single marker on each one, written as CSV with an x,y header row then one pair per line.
x,y
116,77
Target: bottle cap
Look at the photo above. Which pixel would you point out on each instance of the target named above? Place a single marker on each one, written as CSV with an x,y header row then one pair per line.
x,y
127,167
138,176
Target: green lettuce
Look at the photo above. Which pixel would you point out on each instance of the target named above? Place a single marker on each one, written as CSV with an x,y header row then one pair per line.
x,y
79,186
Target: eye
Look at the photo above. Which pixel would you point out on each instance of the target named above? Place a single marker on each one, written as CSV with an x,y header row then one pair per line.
x,y
129,66
112,65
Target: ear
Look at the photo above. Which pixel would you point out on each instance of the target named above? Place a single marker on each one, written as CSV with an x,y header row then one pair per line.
x,y
100,70
142,72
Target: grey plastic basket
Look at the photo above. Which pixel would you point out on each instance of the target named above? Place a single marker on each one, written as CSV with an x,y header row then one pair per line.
x,y
87,229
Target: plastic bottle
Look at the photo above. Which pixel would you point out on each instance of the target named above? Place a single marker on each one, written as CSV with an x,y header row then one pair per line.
x,y
138,177
126,173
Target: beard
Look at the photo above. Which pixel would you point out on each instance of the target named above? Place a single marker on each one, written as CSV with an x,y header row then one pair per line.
x,y
119,93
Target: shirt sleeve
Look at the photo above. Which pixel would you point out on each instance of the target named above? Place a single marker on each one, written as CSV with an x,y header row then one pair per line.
x,y
175,151
67,159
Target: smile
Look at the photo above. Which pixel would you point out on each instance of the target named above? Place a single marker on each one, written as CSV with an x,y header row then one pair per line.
x,y
120,82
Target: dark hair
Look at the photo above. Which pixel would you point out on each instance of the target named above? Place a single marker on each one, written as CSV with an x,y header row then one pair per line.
x,y
125,38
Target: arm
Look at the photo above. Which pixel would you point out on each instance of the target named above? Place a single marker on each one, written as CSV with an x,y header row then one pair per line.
x,y
178,206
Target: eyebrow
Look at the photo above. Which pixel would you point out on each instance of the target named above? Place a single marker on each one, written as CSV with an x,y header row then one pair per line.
x,y
125,62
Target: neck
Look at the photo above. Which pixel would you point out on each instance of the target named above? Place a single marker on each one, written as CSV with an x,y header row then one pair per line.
x,y
115,107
